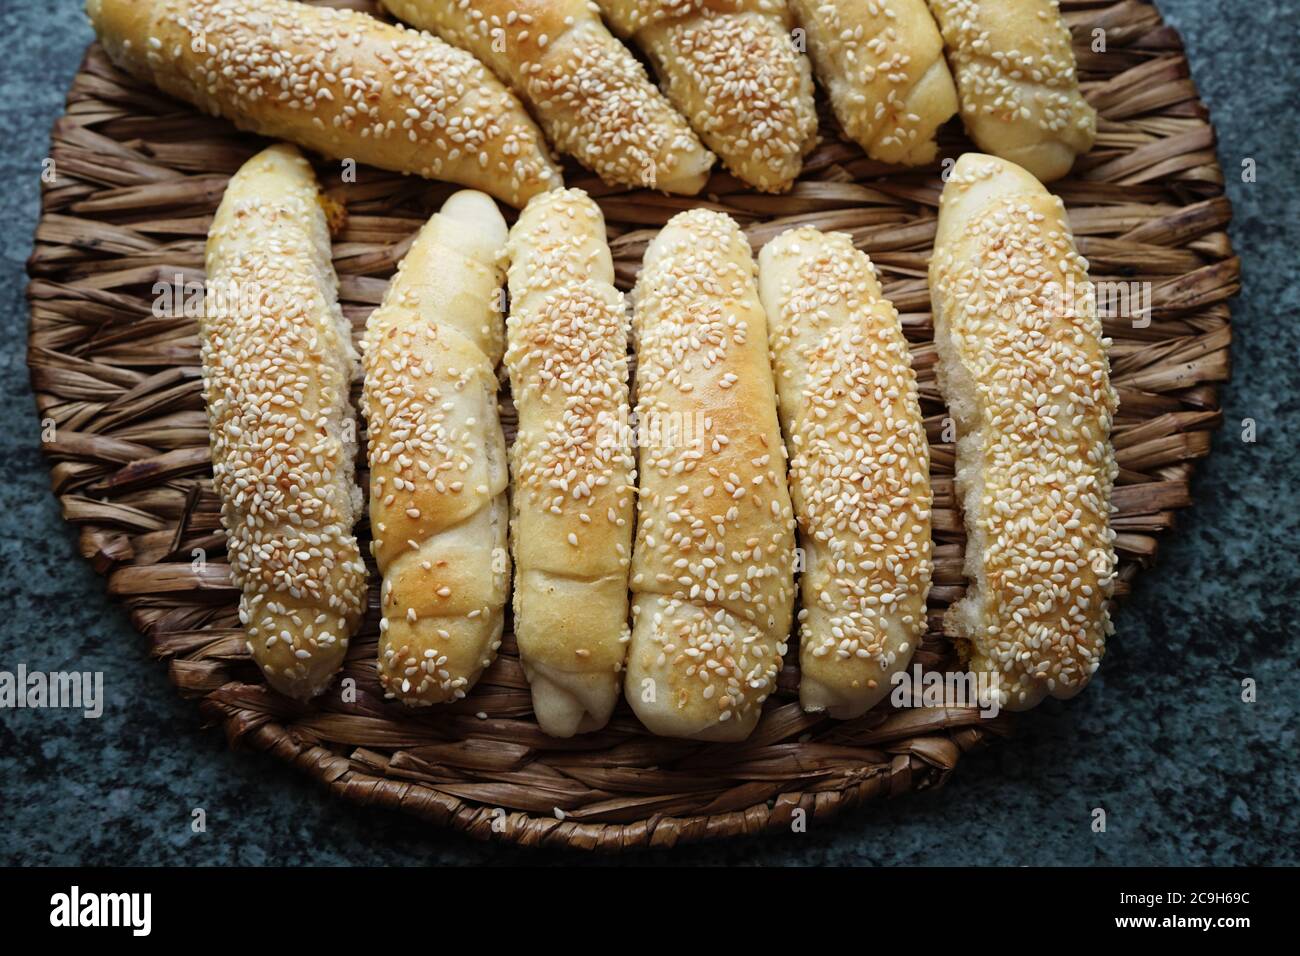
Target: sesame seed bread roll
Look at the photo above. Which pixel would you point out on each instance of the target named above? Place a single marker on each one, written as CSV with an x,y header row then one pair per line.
x,y
438,472
590,94
574,474
731,67
881,63
277,362
859,467
339,82
713,564
1022,365
1014,66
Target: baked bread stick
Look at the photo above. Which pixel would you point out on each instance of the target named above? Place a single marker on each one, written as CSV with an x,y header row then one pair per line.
x,y
859,468
338,82
277,363
438,472
713,564
1023,367
574,475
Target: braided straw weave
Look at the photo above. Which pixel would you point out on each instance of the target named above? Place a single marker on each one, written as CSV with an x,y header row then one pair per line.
x,y
138,177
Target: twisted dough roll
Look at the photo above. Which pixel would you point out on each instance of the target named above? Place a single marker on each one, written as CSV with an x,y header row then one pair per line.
x,y
277,361
882,65
1014,65
730,66
588,91
438,473
336,81
713,564
1023,368
574,475
859,467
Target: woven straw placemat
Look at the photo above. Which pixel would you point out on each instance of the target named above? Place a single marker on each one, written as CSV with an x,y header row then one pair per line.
x,y
113,354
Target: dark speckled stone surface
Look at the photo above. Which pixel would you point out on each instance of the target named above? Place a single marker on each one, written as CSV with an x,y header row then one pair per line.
x,y
1186,772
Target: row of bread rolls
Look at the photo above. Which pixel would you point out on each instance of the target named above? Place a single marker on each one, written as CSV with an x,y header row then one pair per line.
x,y
350,86
741,368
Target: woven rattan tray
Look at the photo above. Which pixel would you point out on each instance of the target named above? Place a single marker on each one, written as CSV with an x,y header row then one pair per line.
x,y
135,180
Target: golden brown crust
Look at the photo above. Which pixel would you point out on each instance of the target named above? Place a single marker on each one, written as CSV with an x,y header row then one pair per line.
x,y
339,82
437,456
277,362
731,67
573,471
882,65
712,567
1023,368
859,467
1014,65
590,94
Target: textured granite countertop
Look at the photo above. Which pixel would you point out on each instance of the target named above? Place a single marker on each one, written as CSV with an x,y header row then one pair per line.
x,y
1187,772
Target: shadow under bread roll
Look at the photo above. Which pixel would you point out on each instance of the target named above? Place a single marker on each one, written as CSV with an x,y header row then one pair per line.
x,y
1023,368
277,363
713,564
859,468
